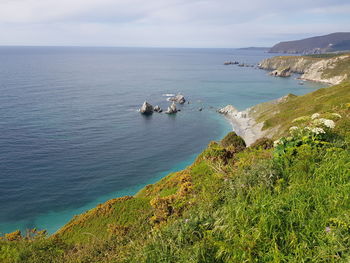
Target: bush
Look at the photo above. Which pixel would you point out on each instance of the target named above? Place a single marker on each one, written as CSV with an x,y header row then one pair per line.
x,y
263,143
233,140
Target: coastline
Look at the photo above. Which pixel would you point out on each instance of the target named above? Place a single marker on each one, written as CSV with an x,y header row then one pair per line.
x,y
243,124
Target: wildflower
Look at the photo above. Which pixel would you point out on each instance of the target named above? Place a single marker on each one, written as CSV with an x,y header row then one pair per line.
x,y
276,143
307,128
336,115
328,229
315,116
317,130
329,123
293,128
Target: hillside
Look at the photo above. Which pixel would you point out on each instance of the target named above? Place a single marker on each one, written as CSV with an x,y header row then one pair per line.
x,y
315,45
287,202
328,68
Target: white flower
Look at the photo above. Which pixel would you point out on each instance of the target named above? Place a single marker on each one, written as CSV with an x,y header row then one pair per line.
x,y
315,116
329,123
336,115
317,130
293,128
276,143
307,129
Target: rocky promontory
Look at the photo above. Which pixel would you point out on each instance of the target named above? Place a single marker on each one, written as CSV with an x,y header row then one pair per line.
x,y
332,68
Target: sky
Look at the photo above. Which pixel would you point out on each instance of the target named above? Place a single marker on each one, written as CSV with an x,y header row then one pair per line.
x,y
168,23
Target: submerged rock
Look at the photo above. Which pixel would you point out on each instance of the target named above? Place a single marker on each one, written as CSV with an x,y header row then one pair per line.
x,y
231,63
146,108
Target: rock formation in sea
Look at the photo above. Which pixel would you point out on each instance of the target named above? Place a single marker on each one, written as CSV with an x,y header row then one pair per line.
x,y
146,108
178,98
172,109
157,109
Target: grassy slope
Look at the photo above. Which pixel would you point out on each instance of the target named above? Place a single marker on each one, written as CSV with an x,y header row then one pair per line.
x,y
279,116
228,206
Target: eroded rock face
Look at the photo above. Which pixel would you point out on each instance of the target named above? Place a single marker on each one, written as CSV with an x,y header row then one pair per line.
x,y
313,69
285,72
146,108
172,109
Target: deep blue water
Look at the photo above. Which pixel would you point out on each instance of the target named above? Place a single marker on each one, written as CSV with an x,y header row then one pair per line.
x,y
71,136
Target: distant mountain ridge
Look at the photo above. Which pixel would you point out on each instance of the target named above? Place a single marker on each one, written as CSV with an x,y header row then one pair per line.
x,y
315,45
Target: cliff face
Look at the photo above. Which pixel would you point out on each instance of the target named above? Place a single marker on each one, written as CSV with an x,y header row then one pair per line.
x,y
332,70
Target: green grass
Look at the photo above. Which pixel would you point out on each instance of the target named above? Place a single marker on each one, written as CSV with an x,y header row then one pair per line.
x,y
280,116
326,55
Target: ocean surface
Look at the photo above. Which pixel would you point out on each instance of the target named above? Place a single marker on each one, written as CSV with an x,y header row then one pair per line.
x,y
71,136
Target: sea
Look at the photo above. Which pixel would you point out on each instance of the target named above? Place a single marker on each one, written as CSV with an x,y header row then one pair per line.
x,y
71,136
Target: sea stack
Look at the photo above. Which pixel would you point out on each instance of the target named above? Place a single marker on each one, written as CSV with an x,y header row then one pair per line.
x,y
172,109
146,108
157,109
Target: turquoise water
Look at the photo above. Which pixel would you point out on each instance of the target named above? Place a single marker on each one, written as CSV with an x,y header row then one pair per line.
x,y
71,136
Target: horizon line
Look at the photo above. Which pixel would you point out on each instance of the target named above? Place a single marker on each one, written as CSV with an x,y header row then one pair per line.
x,y
150,47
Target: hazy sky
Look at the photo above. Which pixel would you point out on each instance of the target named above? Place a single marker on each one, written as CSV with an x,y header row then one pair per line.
x,y
168,23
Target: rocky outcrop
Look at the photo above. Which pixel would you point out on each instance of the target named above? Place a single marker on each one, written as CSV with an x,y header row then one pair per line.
x,y
172,109
146,108
281,72
231,63
229,109
178,99
157,109
332,70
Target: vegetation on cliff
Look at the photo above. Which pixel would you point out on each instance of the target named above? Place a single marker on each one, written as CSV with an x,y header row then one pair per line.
x,y
287,202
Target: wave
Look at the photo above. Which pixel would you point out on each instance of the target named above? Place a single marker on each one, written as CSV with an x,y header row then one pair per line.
x,y
168,95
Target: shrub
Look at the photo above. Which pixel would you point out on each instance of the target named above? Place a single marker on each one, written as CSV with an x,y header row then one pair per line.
x,y
162,208
264,143
14,236
233,140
